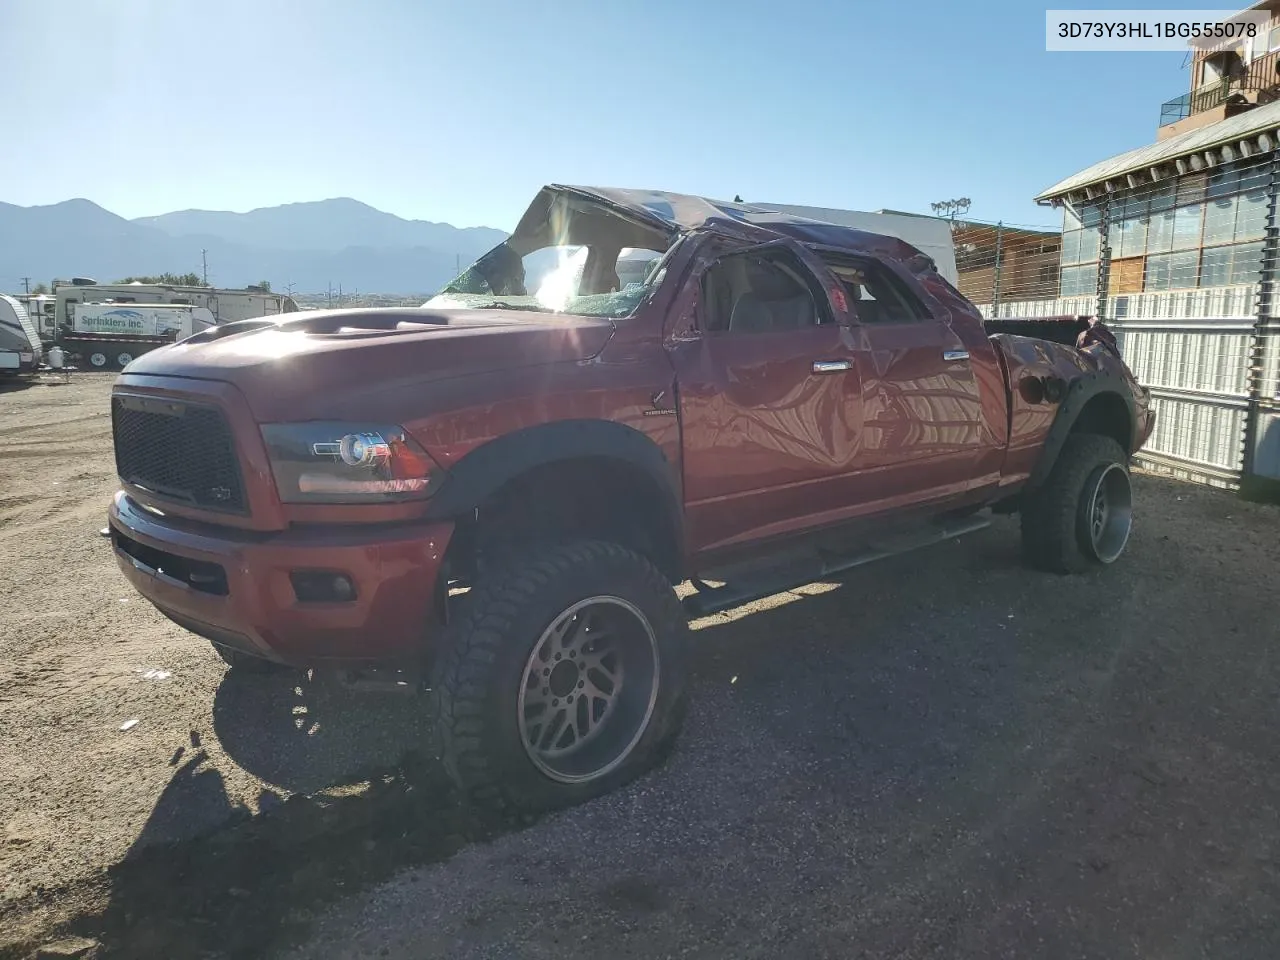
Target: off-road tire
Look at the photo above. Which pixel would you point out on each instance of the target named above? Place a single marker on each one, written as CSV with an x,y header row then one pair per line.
x,y
1053,538
480,666
244,663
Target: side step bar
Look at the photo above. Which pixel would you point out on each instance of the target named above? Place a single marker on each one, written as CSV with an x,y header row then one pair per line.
x,y
710,600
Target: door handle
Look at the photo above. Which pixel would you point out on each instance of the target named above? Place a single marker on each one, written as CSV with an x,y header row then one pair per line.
x,y
831,366
955,356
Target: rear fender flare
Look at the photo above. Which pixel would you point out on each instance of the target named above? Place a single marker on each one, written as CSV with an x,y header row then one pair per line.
x,y
1079,391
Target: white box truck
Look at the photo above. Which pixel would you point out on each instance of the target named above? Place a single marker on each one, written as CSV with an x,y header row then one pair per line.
x,y
226,305
107,336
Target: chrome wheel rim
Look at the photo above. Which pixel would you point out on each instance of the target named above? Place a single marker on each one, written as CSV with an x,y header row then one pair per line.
x,y
1108,511
124,359
98,359
588,689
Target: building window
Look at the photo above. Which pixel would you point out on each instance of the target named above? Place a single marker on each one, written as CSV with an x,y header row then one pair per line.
x,y
1187,224
1171,271
1230,266
1079,281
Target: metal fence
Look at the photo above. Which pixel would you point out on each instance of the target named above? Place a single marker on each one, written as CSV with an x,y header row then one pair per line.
x,y
1209,354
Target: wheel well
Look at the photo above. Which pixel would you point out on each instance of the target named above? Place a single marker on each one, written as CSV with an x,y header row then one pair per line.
x,y
595,497
1106,415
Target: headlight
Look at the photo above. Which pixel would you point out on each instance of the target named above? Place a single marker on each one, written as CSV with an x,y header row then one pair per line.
x,y
319,462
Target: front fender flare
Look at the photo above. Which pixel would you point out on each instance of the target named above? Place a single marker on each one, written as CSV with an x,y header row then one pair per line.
x,y
485,470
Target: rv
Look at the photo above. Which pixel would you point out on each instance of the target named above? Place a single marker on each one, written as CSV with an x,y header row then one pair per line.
x,y
227,306
19,343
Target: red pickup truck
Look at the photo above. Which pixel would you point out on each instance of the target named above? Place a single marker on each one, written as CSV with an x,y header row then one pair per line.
x,y
494,495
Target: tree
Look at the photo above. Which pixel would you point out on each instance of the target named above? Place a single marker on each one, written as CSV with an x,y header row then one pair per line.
x,y
265,285
39,289
173,279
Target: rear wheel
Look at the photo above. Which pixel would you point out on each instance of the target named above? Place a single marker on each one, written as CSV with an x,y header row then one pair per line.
x,y
1082,516
562,678
123,359
98,360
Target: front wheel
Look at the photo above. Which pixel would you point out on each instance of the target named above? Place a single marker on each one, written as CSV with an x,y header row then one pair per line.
x,y
98,360
1082,516
562,678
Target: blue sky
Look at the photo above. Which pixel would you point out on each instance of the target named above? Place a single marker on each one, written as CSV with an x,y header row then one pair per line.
x,y
459,111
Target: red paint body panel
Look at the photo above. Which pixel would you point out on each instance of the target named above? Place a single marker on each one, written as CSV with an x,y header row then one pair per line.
x,y
389,567
759,444
1027,359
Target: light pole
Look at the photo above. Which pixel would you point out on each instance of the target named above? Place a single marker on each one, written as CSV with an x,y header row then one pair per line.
x,y
952,208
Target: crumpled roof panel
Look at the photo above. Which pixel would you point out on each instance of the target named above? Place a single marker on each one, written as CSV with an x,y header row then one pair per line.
x,y
684,212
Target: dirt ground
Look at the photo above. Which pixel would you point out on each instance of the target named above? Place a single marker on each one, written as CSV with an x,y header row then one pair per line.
x,y
942,756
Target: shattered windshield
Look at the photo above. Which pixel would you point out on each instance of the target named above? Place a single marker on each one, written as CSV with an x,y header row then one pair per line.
x,y
568,255
556,279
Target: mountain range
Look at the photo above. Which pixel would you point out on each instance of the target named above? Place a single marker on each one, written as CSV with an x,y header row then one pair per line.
x,y
303,246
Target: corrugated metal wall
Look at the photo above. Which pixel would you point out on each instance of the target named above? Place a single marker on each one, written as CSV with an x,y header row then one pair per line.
x,y
1210,355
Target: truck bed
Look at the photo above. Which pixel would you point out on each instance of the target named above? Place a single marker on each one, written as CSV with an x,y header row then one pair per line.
x,y
1063,329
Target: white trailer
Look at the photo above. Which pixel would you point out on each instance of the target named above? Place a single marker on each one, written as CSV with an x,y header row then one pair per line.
x,y
19,343
109,335
40,308
227,306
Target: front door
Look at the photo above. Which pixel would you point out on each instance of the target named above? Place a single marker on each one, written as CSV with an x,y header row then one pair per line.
x,y
770,401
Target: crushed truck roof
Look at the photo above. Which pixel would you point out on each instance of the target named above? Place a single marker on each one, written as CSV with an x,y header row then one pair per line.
x,y
681,213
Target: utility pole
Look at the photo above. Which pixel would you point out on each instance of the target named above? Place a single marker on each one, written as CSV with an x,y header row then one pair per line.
x,y
26,285
328,295
204,264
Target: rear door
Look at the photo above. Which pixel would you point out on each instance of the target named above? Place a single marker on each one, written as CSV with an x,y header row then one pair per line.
x,y
924,438
770,401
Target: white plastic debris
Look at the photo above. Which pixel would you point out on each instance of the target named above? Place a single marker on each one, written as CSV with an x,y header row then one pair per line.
x,y
154,674
129,724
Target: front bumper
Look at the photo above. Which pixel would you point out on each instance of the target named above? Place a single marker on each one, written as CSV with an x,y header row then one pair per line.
x,y
234,587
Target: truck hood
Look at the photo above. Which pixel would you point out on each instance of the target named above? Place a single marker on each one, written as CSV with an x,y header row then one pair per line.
x,y
325,359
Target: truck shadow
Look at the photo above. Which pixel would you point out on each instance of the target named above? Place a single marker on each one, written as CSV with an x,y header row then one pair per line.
x,y
895,666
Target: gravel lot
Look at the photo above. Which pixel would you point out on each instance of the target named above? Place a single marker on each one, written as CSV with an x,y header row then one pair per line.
x,y
945,756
